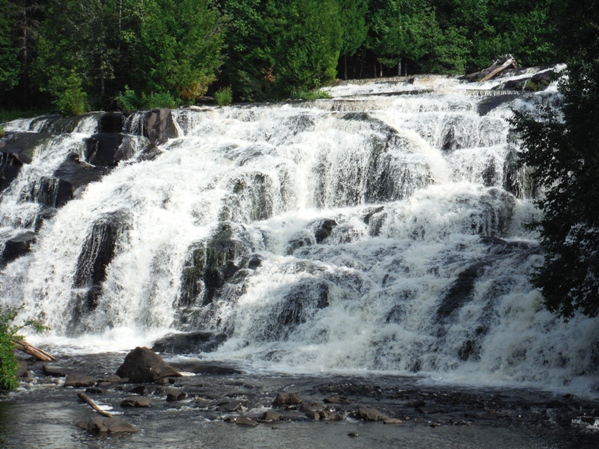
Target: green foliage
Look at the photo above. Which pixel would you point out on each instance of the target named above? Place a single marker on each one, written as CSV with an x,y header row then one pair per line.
x,y
179,48
128,100
276,46
8,335
224,96
2,131
9,66
561,146
316,94
70,98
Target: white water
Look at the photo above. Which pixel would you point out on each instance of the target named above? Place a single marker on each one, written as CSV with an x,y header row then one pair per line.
x,y
409,217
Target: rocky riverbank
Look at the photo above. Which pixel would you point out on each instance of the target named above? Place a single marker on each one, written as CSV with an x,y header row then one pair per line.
x,y
219,405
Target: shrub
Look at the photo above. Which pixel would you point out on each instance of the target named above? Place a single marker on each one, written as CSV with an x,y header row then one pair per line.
x,y
224,96
8,336
127,101
71,99
302,94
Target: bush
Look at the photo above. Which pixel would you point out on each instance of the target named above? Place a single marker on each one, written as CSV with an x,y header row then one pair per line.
x,y
8,335
158,100
302,94
224,96
71,99
127,101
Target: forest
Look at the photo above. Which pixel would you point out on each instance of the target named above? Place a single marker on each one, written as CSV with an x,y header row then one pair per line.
x,y
71,56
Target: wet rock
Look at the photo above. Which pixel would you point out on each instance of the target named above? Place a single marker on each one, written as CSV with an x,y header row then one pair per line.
x,y
313,415
21,368
136,401
207,368
78,173
245,421
337,400
392,421
102,424
189,343
312,407
143,365
139,389
271,415
111,122
93,390
50,192
159,125
16,247
284,399
79,380
296,307
54,370
10,167
371,414
323,229
112,378
22,145
232,407
461,290
353,434
108,149
174,395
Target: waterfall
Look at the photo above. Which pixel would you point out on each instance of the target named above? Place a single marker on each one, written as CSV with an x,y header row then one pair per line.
x,y
383,229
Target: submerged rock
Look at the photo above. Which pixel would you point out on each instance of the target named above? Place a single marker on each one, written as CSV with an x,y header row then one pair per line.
x,y
136,401
143,365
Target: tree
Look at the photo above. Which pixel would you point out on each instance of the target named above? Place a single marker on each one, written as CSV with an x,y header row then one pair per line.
x,y
180,46
561,144
275,47
354,27
8,53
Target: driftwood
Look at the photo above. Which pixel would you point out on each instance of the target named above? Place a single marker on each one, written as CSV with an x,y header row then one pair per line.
x,y
93,405
38,353
502,63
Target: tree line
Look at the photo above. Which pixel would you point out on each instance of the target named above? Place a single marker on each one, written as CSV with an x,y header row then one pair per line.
x,y
74,55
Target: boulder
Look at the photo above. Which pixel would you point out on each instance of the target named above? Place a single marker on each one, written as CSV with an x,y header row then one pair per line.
x,y
271,415
100,424
245,421
284,399
16,247
53,370
159,125
143,365
371,414
136,401
174,395
79,380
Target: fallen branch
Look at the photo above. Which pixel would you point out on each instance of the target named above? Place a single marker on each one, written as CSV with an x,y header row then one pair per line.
x,y
510,62
38,353
93,405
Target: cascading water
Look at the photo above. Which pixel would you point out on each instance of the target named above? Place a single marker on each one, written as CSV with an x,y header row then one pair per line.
x,y
372,231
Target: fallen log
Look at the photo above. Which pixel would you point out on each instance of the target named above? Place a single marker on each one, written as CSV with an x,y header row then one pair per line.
x,y
509,62
38,353
93,405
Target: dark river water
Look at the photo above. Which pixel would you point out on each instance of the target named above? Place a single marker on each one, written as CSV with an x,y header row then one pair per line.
x,y
43,414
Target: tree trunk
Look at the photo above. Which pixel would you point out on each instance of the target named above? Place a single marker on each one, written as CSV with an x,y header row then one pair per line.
x,y
93,405
38,353
509,63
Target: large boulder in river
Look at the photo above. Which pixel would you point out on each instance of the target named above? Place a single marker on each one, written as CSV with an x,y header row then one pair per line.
x,y
143,365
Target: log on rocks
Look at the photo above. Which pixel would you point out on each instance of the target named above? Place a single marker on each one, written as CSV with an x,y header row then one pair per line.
x,y
38,353
500,66
93,405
